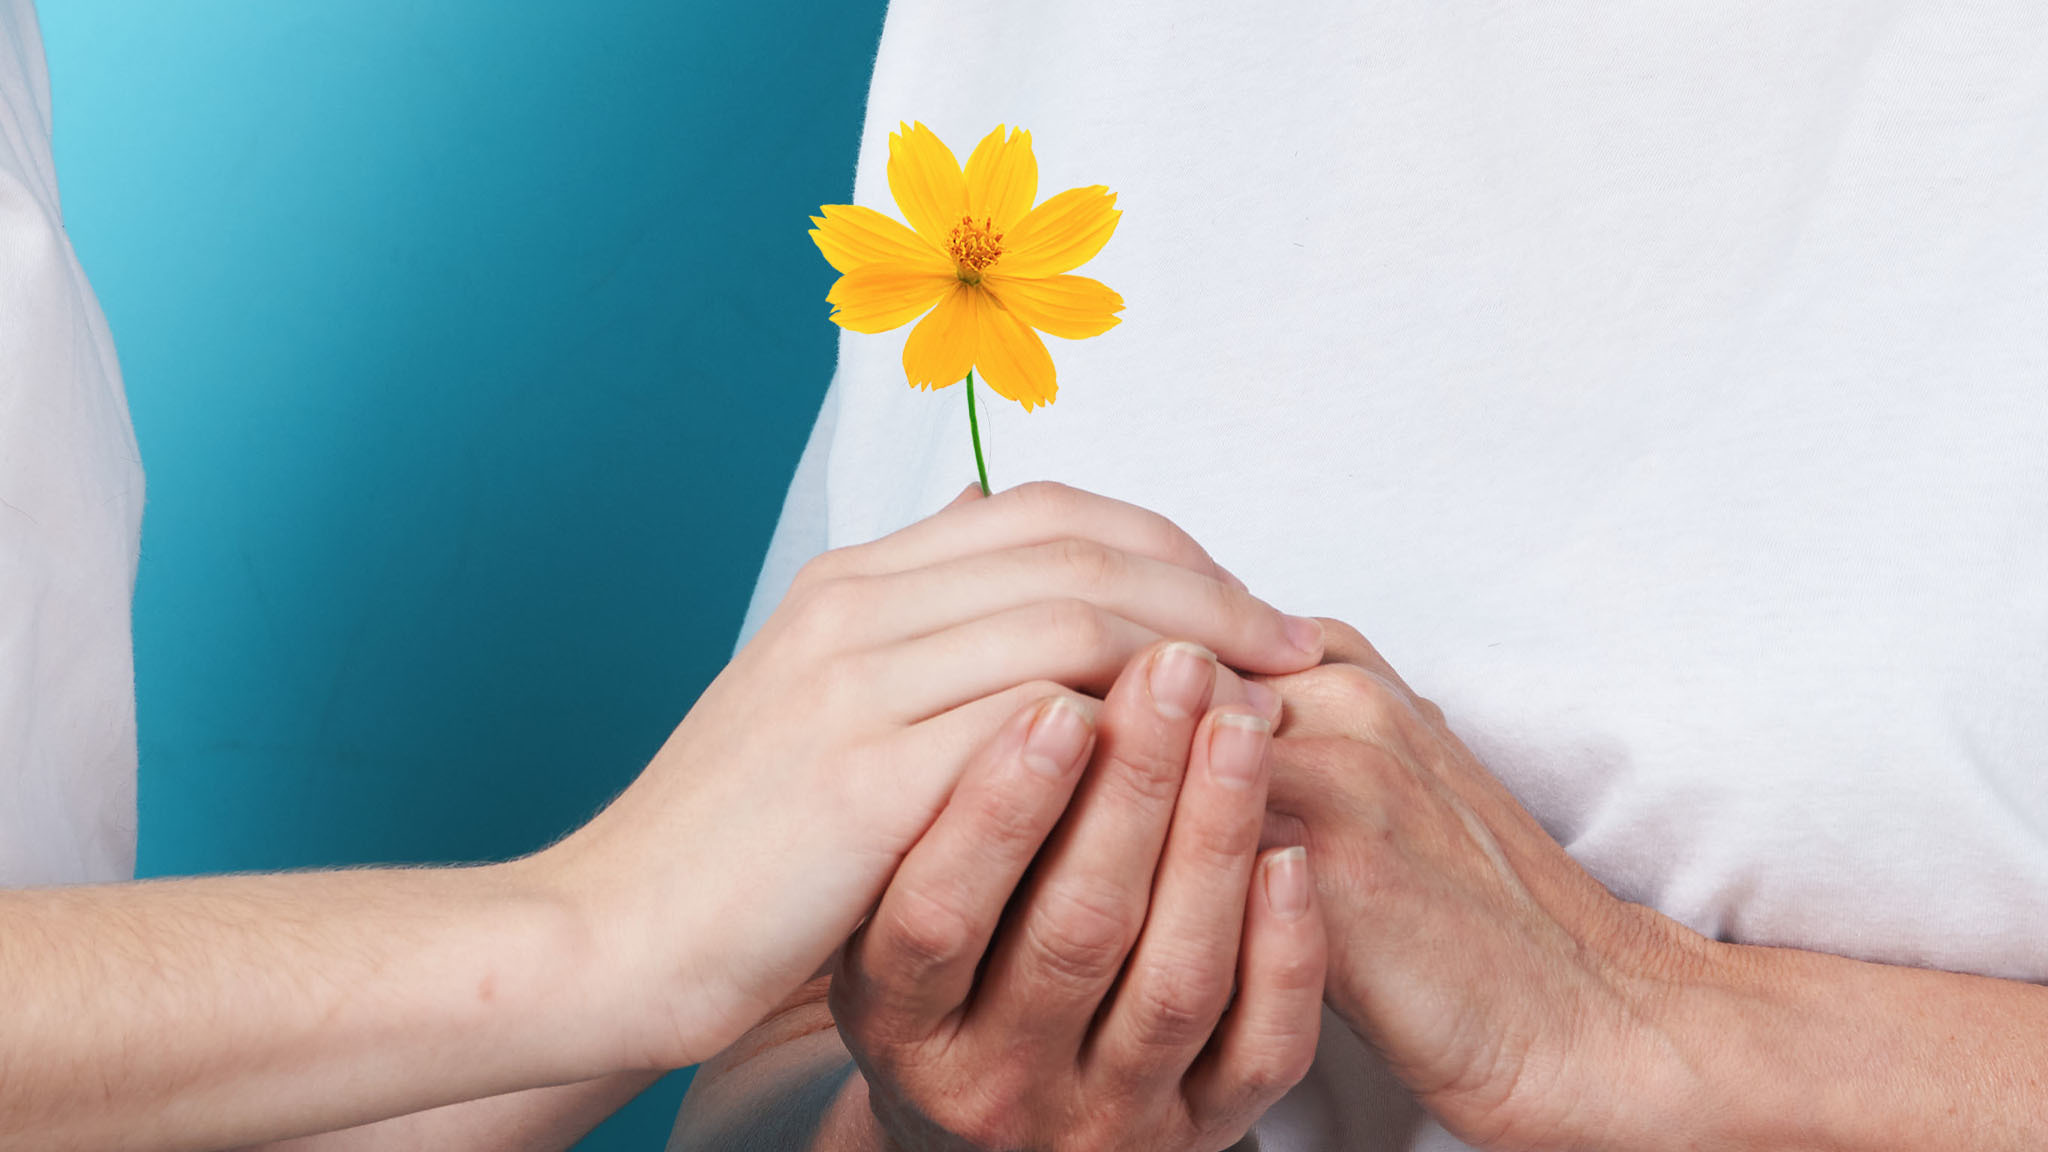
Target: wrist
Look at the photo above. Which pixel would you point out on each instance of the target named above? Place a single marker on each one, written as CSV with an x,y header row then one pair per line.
x,y
1675,987
1739,1072
623,980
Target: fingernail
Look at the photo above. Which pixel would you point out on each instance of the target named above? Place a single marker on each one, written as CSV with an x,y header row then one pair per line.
x,y
1287,882
1237,748
1179,679
1261,699
1058,737
1305,633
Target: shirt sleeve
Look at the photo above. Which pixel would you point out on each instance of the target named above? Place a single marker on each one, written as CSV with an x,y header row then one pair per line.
x,y
802,532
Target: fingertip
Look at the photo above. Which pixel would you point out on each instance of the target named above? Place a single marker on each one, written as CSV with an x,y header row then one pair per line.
x,y
1306,634
1180,677
1263,700
1284,878
968,495
1059,738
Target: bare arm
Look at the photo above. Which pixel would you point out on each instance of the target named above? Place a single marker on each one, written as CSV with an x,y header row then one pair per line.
x,y
208,1013
224,1011
1807,1050
1527,1007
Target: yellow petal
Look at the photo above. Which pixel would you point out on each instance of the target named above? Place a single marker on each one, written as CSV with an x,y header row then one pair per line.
x,y
1061,234
878,297
1070,307
851,237
1012,359
926,181
1002,178
941,348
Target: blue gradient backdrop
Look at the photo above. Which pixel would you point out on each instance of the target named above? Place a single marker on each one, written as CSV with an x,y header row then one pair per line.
x,y
470,345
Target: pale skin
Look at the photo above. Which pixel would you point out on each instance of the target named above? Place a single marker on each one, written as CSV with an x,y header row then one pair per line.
x,y
1507,989
232,1011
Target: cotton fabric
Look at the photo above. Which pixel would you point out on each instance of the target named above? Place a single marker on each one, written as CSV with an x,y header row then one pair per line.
x,y
1663,388
70,521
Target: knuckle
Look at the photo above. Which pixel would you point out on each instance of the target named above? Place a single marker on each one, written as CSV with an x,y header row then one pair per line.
x,y
823,609
1006,822
1225,842
1344,684
1222,602
1360,699
1076,625
1078,933
1429,710
1046,498
922,932
1277,1067
820,568
1299,973
1090,566
1146,778
1178,1009
994,1118
1162,537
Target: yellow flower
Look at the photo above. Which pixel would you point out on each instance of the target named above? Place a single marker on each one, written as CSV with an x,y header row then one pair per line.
x,y
988,266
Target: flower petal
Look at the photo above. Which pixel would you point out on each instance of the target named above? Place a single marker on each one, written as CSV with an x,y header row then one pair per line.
x,y
1061,234
1070,307
941,348
926,181
878,297
1002,178
851,237
1012,359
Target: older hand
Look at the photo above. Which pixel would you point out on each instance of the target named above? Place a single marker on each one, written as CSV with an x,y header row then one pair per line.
x,y
1508,990
1102,1015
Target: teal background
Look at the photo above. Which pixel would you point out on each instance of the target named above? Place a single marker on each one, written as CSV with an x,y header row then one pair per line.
x,y
470,345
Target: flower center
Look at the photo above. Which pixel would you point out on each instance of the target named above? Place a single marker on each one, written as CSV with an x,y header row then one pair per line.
x,y
974,246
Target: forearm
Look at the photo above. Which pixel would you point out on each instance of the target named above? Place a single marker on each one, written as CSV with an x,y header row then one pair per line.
x,y
222,1011
536,1120
1806,1050
789,1084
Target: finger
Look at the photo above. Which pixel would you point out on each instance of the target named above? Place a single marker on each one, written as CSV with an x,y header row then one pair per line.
x,y
1081,911
1030,514
1247,695
1344,644
912,965
1178,980
1070,642
1267,1040
1170,600
929,758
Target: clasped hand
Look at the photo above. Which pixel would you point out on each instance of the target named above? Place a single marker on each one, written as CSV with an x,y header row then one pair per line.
x,y
771,821
1123,986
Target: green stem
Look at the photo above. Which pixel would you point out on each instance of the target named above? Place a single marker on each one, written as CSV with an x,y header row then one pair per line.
x,y
974,428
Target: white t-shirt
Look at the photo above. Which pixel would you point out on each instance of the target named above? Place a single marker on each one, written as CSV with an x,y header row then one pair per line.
x,y
1663,388
70,521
